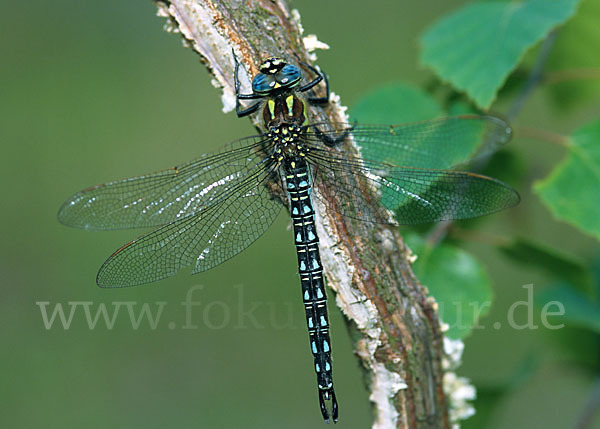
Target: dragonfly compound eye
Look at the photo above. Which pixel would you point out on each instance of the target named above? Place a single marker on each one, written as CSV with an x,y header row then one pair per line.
x,y
263,84
289,75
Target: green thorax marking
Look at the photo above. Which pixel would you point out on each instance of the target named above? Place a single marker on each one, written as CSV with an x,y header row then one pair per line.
x,y
287,109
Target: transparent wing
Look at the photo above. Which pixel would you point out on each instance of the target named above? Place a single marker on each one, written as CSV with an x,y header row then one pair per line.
x,y
203,240
159,198
416,195
441,143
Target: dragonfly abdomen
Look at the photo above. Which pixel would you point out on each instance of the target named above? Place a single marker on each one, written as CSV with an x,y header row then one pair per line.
x,y
311,277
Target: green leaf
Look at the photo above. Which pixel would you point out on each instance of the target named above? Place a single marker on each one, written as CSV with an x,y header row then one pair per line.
x,y
572,190
395,104
460,107
556,263
457,281
596,274
477,47
579,309
574,52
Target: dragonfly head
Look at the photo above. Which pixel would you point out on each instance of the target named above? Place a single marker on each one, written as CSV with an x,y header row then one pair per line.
x,y
276,76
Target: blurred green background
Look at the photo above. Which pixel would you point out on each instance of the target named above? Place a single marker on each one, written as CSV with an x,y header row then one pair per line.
x,y
95,91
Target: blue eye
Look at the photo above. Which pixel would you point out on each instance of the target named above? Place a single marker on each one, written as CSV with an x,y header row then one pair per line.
x,y
289,74
262,84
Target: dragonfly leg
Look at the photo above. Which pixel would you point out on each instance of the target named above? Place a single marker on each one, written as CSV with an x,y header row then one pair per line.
x,y
332,141
253,108
320,76
250,110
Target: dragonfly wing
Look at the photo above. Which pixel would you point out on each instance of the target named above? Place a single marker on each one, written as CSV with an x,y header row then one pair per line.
x,y
159,198
441,143
416,195
202,240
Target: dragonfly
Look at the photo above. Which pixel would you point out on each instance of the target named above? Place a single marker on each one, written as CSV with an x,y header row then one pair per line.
x,y
206,211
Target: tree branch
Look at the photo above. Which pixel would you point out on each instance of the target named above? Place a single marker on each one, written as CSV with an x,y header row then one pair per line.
x,y
394,324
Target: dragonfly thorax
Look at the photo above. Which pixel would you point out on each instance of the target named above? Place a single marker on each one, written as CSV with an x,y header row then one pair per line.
x,y
288,109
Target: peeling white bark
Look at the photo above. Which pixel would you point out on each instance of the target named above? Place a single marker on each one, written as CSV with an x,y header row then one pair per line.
x,y
459,390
